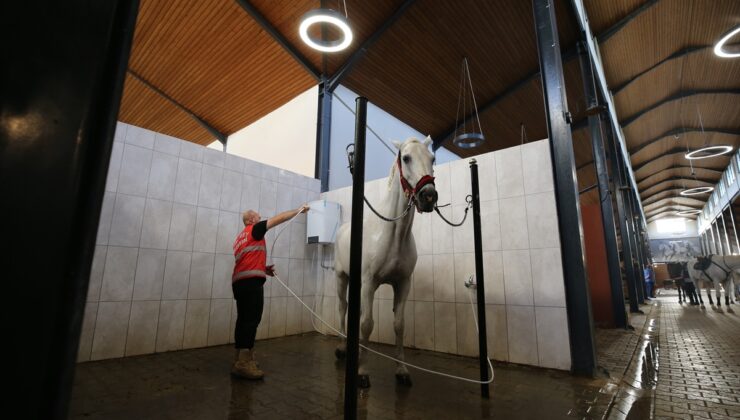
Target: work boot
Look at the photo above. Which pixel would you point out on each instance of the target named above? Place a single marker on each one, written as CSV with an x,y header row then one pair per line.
x,y
245,366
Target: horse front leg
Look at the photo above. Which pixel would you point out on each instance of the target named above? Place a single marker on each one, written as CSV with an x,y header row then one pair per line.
x,y
400,294
342,281
366,328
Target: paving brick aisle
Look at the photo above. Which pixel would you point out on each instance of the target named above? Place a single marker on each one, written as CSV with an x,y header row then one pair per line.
x,y
699,372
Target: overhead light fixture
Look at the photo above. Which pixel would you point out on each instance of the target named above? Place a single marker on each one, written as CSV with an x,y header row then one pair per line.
x,y
697,191
330,17
719,47
688,212
708,152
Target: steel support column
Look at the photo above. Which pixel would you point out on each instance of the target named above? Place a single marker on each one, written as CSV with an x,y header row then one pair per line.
x,y
622,216
355,263
61,81
580,319
323,135
602,172
636,244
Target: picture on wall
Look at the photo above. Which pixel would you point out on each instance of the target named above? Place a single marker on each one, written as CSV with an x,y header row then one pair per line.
x,y
674,250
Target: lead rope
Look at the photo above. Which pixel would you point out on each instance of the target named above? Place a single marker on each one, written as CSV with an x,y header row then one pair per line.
x,y
434,372
350,166
468,199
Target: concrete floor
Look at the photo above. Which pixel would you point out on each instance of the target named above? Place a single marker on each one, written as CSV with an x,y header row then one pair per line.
x,y
304,381
679,362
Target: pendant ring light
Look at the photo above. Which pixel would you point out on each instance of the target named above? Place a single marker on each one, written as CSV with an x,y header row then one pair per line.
x,y
468,137
330,17
711,150
688,212
697,191
719,47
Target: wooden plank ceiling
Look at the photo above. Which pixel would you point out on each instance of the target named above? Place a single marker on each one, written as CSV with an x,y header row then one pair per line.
x,y
671,92
217,61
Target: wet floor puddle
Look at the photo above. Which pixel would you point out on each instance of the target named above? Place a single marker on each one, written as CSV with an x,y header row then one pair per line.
x,y
635,397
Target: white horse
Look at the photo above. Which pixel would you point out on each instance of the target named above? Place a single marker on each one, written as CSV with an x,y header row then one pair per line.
x,y
388,248
719,270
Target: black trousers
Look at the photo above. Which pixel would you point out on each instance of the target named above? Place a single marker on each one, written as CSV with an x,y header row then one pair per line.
x,y
250,299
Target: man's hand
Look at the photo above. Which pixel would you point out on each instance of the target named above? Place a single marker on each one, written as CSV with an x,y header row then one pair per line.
x,y
304,208
270,270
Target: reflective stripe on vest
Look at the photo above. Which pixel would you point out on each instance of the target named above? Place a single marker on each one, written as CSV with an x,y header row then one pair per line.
x,y
249,249
248,273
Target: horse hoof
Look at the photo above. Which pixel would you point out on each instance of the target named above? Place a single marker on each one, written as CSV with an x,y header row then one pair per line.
x,y
363,381
340,354
403,379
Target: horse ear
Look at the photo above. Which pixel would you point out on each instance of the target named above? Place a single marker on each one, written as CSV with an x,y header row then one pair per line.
x,y
397,144
428,141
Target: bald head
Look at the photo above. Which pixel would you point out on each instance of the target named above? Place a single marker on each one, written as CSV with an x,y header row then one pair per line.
x,y
250,217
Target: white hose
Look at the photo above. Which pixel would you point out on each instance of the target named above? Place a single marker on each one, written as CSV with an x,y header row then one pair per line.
x,y
434,372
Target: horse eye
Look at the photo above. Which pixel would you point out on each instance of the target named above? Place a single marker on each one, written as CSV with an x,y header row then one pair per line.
x,y
407,159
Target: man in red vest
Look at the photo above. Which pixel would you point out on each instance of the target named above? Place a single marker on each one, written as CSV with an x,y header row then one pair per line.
x,y
247,283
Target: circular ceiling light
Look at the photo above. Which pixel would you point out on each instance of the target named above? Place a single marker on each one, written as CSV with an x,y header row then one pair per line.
x,y
708,152
719,47
469,140
688,212
697,191
330,17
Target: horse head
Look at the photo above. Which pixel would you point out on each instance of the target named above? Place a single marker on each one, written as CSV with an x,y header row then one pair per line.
x,y
414,164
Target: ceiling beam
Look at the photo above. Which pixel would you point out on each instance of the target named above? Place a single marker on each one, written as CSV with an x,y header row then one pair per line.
x,y
674,151
670,133
678,54
668,168
656,215
604,36
568,55
485,106
221,137
708,182
279,38
360,52
646,191
671,208
655,197
681,131
688,201
677,96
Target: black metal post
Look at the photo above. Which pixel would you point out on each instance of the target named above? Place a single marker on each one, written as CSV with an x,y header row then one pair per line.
x,y
627,258
323,135
61,82
580,320
635,243
594,109
628,235
480,291
355,263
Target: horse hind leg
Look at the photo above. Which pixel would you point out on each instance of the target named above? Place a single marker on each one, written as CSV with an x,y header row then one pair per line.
x,y
400,294
342,281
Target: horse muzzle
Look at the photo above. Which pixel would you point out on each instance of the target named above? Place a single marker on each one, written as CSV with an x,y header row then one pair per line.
x,y
426,198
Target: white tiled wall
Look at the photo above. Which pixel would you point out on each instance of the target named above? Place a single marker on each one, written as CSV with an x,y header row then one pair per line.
x,y
161,275
525,299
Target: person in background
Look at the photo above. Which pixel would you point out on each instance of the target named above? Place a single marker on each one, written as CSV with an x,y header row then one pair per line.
x,y
247,281
649,280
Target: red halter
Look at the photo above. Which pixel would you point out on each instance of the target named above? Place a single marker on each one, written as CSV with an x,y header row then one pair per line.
x,y
407,189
